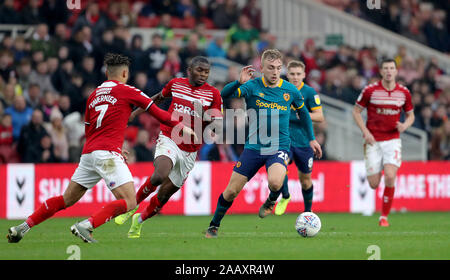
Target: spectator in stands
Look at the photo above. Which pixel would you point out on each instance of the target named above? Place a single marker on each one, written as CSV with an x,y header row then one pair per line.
x,y
29,145
80,45
33,96
164,7
20,113
73,90
6,130
7,149
440,142
87,71
253,12
49,104
8,15
308,55
186,9
155,55
243,31
142,150
141,82
58,135
64,104
46,151
224,13
19,48
189,51
173,63
7,96
437,33
74,127
41,77
54,12
31,14
164,27
137,55
215,47
95,19
41,41
6,61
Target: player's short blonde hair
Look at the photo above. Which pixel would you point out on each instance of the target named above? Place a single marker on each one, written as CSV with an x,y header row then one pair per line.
x,y
295,63
271,54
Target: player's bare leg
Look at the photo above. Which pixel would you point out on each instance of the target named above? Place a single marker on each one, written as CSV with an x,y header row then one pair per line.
x,y
374,180
126,200
165,192
73,194
163,166
234,187
390,173
276,174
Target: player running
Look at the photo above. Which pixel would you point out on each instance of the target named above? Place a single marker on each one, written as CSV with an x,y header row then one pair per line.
x,y
384,101
270,98
173,161
300,151
107,111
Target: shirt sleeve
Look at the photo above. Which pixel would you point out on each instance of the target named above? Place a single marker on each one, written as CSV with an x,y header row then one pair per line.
x,y
408,106
313,100
298,101
167,90
137,97
363,98
235,89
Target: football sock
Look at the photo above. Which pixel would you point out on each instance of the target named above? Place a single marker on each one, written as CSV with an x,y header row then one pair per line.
x,y
153,208
46,210
221,209
285,188
108,212
144,191
388,197
308,198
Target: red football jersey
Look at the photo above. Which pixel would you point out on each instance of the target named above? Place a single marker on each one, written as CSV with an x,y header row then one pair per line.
x,y
108,109
182,109
384,108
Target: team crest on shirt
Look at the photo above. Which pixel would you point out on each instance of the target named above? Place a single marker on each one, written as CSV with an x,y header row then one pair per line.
x,y
286,96
238,164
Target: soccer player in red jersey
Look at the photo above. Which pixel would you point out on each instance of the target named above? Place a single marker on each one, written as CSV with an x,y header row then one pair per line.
x,y
175,158
107,111
384,101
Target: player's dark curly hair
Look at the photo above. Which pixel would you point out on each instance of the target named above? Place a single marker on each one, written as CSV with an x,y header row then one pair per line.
x,y
115,59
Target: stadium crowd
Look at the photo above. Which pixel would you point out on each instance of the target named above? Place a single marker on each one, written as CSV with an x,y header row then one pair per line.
x,y
45,79
427,22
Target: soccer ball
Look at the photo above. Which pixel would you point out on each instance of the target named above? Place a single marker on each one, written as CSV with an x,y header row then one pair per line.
x,y
308,224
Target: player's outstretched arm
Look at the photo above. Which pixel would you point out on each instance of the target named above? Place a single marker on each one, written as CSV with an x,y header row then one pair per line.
x,y
317,115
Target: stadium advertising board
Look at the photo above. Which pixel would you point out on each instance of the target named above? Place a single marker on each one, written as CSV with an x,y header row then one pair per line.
x,y
338,187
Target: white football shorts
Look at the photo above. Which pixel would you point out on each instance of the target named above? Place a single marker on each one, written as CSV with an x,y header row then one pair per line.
x,y
98,165
182,161
381,153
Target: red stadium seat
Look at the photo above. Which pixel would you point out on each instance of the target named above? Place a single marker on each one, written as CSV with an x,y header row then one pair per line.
x,y
147,21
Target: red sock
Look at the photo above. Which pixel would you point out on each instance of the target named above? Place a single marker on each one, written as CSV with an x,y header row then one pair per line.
x,y
388,197
153,208
144,191
46,210
108,212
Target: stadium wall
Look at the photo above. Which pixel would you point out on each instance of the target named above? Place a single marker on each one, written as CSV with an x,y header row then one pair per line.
x,y
338,187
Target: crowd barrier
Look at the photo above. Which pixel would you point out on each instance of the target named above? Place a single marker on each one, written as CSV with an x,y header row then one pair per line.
x,y
338,187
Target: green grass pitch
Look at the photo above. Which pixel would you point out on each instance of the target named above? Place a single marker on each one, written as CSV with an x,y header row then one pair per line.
x,y
242,237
